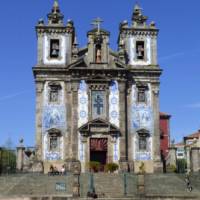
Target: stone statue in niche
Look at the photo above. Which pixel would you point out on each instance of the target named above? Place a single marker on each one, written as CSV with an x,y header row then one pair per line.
x,y
98,54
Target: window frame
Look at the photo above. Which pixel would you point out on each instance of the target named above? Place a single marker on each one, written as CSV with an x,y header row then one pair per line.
x,y
54,87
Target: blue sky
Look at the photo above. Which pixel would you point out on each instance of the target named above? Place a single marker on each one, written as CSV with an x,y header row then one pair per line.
x,y
178,53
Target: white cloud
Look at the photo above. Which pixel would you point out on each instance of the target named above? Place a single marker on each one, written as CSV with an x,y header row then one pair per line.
x,y
172,56
11,96
194,105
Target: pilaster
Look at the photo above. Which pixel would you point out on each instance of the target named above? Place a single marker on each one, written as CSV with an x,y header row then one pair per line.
x,y
122,115
74,119
39,105
129,129
40,48
156,134
68,118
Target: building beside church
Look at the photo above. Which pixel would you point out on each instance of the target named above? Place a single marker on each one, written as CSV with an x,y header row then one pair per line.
x,y
164,135
94,103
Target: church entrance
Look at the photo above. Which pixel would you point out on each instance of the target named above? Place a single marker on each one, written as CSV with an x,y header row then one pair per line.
x,y
98,151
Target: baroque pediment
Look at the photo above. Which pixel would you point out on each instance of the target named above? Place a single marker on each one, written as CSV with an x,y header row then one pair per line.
x,y
99,126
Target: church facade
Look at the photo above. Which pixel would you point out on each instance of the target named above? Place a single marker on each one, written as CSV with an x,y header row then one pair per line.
x,y
94,103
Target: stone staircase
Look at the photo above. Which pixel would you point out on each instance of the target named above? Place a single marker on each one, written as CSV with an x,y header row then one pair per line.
x,y
106,185
109,185
29,184
167,185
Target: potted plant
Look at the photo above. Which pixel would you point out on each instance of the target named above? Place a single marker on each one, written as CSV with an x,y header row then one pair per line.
x,y
111,167
94,166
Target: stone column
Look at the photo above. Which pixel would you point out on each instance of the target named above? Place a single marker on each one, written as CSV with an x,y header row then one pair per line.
x,y
20,156
74,120
172,156
76,181
188,158
156,134
39,105
122,125
195,159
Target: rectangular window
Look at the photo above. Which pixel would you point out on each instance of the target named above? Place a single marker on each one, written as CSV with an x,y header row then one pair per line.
x,y
140,50
53,97
141,96
54,93
142,144
54,48
53,143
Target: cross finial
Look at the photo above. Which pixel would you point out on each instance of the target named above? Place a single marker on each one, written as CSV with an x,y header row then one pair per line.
x,y
55,3
97,23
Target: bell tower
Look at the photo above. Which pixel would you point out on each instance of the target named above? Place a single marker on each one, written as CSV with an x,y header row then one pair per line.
x,y
55,40
140,39
138,49
56,50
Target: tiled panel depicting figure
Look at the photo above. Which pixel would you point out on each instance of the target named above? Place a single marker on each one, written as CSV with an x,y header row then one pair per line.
x,y
53,121
82,114
54,117
114,115
142,124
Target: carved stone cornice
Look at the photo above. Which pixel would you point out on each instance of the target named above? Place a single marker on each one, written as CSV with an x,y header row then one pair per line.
x,y
98,74
54,29
151,71
140,31
98,86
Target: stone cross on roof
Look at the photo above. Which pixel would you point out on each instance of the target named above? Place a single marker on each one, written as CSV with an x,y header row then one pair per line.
x,y
97,23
